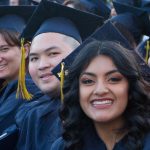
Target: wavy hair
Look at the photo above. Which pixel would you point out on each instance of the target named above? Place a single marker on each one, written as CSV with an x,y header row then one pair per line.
x,y
137,113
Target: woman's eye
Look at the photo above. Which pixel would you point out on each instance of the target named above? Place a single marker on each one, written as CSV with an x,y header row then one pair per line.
x,y
87,81
5,49
114,79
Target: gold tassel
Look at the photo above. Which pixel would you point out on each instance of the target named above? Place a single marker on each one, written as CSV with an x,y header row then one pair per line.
x,y
21,89
62,75
147,51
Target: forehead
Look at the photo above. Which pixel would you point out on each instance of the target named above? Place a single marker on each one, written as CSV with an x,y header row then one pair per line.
x,y
101,63
48,40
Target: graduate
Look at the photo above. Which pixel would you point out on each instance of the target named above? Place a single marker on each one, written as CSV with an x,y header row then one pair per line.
x,y
104,91
12,21
54,31
97,7
133,19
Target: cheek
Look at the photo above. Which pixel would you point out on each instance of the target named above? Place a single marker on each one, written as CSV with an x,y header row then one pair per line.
x,y
121,94
32,70
15,51
57,60
14,55
84,94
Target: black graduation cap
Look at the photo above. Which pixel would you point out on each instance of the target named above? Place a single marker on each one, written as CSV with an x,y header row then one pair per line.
x,y
53,17
15,17
141,14
9,138
131,23
98,7
107,32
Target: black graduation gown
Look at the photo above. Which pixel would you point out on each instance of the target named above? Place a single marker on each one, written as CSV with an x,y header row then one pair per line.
x,y
39,124
9,138
93,142
9,104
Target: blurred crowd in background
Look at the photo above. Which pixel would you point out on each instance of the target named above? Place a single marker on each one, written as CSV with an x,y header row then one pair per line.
x,y
30,2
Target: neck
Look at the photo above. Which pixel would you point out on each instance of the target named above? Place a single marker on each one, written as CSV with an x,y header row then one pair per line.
x,y
12,78
111,132
3,84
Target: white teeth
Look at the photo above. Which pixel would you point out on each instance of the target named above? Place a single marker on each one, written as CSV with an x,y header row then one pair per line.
x,y
102,102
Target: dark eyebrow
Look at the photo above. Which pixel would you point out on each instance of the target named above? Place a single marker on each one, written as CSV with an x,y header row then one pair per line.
x,y
92,74
112,71
46,50
88,73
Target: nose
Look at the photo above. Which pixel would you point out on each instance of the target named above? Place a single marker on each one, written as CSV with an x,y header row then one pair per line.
x,y
100,88
43,64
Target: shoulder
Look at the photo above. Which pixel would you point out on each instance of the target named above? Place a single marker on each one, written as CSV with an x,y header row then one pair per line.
x,y
28,108
41,110
58,144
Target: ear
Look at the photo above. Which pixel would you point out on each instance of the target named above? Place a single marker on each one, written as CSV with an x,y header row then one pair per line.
x,y
27,49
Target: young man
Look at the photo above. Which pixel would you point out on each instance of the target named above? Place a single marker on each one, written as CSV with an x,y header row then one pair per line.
x,y
55,31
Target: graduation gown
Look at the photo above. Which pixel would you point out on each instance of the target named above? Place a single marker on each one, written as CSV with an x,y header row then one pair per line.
x,y
92,141
39,124
8,139
9,104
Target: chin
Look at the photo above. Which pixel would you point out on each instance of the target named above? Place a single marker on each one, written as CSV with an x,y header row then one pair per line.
x,y
48,89
4,77
101,119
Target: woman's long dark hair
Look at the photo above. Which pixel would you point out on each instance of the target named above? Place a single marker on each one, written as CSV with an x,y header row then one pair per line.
x,y
137,113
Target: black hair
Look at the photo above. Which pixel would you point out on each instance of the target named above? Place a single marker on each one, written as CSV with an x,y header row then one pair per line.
x,y
137,112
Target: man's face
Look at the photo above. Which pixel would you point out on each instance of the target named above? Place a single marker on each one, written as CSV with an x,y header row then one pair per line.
x,y
13,2
47,50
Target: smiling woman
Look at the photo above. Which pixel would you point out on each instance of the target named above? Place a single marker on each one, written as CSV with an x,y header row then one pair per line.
x,y
105,105
12,22
10,55
103,92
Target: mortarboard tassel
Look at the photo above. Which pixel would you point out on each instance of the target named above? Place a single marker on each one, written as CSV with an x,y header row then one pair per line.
x,y
62,74
147,51
21,89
